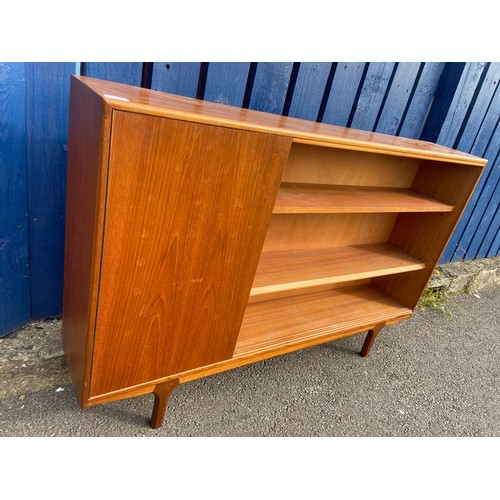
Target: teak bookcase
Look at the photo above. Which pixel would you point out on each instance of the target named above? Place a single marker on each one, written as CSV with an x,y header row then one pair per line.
x,y
201,237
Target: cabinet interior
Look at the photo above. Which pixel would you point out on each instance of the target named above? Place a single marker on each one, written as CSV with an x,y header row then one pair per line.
x,y
334,240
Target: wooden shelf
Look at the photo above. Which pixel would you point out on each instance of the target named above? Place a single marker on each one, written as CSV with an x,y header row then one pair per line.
x,y
289,270
301,319
323,198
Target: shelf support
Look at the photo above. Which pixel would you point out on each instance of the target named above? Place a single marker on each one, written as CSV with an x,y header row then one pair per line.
x,y
162,394
370,339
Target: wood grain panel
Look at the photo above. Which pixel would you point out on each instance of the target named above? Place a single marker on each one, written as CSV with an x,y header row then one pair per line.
x,y
320,165
172,106
187,209
89,131
302,231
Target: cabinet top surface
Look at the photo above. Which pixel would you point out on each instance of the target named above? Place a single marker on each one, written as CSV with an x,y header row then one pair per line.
x,y
151,102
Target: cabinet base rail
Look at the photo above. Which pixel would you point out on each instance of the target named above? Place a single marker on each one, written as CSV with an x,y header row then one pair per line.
x,y
163,390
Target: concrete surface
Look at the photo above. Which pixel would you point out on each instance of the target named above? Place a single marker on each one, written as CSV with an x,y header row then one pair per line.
x,y
431,375
467,276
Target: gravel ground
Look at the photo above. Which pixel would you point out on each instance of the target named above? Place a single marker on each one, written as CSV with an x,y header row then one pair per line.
x,y
431,375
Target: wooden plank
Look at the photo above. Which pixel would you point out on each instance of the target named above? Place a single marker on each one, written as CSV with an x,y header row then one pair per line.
x,y
421,100
270,86
179,78
460,104
396,101
482,243
494,249
306,231
129,73
447,86
14,268
47,106
473,215
484,210
372,95
309,90
148,102
485,145
293,320
482,104
343,93
299,269
489,123
322,198
226,82
207,254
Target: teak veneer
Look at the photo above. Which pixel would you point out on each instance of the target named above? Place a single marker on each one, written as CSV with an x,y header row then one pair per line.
x,y
201,237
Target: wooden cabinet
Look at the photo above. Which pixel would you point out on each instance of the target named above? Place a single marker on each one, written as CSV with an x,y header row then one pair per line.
x,y
201,237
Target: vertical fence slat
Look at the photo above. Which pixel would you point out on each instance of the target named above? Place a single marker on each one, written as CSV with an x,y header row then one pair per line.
x,y
14,267
421,101
129,73
179,78
47,107
481,105
343,93
226,82
482,215
372,95
270,86
460,104
483,247
309,90
474,221
494,249
397,98
485,145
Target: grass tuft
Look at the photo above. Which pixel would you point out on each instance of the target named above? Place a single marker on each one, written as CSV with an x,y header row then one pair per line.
x,y
435,299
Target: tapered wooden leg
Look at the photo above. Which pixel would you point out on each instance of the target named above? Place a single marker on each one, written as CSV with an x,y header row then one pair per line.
x,y
162,393
370,339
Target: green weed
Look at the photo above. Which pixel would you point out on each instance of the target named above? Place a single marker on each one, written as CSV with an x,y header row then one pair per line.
x,y
435,299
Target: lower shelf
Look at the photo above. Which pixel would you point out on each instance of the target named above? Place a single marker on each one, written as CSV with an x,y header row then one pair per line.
x,y
294,320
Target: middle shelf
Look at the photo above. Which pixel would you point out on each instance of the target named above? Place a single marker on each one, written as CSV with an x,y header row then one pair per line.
x,y
326,198
281,271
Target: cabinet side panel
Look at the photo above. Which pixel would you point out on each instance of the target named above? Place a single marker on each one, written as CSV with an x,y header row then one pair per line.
x,y
425,235
87,151
188,206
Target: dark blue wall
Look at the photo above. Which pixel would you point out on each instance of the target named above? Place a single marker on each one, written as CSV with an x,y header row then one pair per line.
x,y
454,104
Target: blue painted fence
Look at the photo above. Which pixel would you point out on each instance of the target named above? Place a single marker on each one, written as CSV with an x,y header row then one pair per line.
x,y
454,104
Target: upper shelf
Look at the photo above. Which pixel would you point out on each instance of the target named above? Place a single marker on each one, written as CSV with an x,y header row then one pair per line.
x,y
319,198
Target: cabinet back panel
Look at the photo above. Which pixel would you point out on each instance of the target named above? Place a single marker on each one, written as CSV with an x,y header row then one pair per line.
x,y
320,165
301,231
186,214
